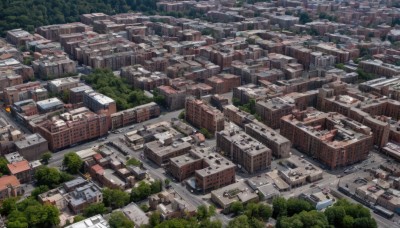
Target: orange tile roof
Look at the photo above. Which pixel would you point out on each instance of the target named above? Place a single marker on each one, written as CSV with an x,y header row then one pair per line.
x,y
97,157
97,169
201,137
18,167
8,180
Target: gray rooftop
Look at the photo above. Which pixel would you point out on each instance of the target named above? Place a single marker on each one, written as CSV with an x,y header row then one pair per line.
x,y
30,140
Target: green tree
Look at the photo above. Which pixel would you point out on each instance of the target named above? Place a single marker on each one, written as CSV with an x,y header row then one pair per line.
x,y
295,206
115,198
119,220
104,81
340,66
204,212
264,212
206,133
79,218
156,186
72,162
167,182
30,213
8,205
144,207
47,176
3,166
159,99
347,222
65,96
241,221
236,207
39,190
279,206
335,215
134,162
304,18
140,192
182,115
155,219
46,157
94,209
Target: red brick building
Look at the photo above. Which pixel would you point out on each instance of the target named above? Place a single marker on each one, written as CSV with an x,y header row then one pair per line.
x,y
73,127
333,139
202,115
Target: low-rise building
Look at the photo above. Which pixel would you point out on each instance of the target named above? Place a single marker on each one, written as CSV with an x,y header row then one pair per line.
x,y
96,221
135,214
32,147
238,191
10,186
50,105
76,195
22,170
297,172
160,152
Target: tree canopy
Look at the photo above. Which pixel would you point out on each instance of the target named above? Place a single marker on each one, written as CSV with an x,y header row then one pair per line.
x,y
104,81
3,166
300,213
143,190
29,14
72,162
115,198
94,209
30,213
51,177
119,220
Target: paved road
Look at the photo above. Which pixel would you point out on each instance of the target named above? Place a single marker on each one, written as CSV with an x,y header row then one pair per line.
x,y
56,160
12,121
331,180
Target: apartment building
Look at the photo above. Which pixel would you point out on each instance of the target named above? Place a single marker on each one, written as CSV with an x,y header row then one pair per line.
x,y
279,145
99,103
332,138
29,90
244,150
54,66
62,84
271,111
135,115
76,93
377,67
223,83
210,169
216,172
9,79
53,32
73,127
202,115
